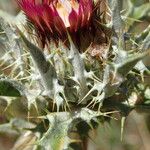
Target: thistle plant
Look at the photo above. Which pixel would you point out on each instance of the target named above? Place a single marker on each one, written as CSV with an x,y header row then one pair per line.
x,y
64,66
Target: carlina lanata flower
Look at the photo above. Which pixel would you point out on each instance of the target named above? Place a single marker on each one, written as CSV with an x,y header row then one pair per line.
x,y
52,18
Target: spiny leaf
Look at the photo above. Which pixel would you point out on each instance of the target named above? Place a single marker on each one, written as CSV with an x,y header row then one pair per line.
x,y
56,137
7,88
116,16
25,142
141,11
46,70
7,128
19,20
128,63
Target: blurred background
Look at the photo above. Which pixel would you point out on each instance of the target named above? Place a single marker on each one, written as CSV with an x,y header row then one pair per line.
x,y
9,6
136,134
